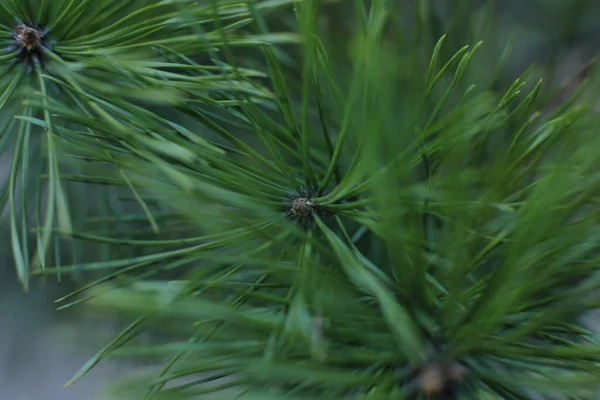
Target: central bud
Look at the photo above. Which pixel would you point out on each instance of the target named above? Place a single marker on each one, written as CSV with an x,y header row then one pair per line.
x,y
302,207
30,43
445,380
28,37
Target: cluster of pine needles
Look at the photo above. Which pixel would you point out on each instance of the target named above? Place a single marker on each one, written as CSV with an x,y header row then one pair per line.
x,y
303,199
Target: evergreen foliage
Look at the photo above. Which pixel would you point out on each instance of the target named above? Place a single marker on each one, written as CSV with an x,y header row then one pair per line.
x,y
305,199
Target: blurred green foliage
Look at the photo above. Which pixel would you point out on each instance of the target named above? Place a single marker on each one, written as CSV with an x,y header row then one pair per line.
x,y
310,199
